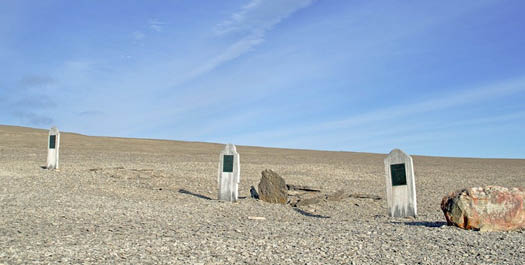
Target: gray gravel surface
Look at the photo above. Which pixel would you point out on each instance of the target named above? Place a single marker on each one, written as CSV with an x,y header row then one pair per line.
x,y
135,201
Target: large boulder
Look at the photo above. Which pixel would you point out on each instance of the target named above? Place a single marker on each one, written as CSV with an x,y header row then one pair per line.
x,y
272,188
490,208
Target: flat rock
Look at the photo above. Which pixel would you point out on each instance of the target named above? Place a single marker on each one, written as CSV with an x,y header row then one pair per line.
x,y
302,188
491,208
272,188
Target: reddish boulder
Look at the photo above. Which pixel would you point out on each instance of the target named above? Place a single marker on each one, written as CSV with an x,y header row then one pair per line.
x,y
490,208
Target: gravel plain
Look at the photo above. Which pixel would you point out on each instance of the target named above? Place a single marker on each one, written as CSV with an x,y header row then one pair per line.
x,y
140,201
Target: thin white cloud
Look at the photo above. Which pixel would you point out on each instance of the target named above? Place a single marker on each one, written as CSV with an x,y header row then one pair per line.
x,y
156,25
153,25
259,16
252,21
377,136
233,51
36,80
440,102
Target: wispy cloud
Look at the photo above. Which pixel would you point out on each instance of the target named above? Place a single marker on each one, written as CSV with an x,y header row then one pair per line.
x,y
437,102
235,50
42,99
252,22
33,118
36,81
365,125
259,16
156,25
29,101
387,134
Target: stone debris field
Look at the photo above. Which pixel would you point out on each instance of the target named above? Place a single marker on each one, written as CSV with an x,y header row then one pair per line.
x,y
140,201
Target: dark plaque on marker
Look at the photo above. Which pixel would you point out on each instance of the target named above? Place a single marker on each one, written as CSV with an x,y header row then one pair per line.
x,y
399,177
228,163
52,141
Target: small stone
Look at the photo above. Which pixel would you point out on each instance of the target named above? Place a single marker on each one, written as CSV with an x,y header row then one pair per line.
x,y
253,193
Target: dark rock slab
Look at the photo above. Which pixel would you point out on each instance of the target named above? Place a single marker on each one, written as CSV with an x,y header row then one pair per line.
x,y
302,188
253,193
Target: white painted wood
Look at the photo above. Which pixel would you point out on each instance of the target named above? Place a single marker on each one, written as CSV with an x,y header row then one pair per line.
x,y
229,181
401,199
52,153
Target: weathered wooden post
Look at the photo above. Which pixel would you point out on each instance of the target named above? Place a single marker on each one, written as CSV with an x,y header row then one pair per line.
x,y
53,146
400,184
229,174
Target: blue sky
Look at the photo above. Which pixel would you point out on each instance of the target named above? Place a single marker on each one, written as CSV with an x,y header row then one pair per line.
x,y
444,78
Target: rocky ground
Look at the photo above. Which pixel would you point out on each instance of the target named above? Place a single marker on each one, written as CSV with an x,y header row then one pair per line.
x,y
133,201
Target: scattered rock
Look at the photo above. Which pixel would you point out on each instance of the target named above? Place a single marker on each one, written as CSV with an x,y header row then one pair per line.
x,y
272,188
300,202
108,168
339,195
490,208
303,188
365,196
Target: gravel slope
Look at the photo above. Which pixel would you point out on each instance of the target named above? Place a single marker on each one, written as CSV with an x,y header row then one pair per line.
x,y
136,201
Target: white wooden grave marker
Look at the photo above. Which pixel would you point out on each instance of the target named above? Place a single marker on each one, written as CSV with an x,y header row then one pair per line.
x,y
400,184
53,145
229,174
